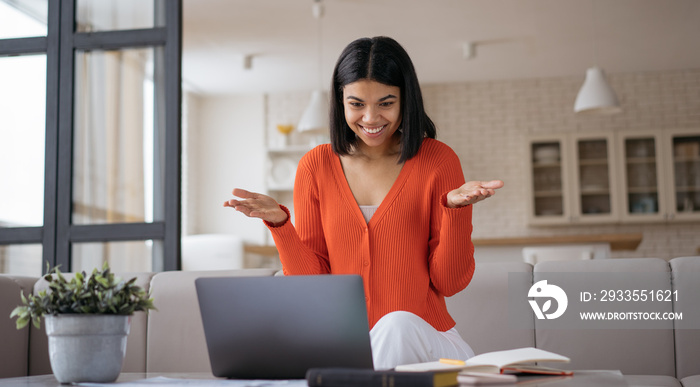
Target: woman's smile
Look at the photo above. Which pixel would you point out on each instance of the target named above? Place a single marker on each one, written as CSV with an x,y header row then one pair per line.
x,y
372,130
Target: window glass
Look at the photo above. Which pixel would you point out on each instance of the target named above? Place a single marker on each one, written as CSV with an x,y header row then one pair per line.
x,y
130,256
594,177
642,182
22,137
113,180
22,260
107,15
23,18
686,168
547,179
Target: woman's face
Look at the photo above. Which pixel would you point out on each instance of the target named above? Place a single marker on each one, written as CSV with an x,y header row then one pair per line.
x,y
372,111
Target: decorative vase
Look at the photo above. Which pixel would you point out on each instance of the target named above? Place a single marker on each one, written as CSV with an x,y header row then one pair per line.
x,y
87,347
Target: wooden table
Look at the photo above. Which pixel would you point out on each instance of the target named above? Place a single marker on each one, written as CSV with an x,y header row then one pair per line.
x,y
580,379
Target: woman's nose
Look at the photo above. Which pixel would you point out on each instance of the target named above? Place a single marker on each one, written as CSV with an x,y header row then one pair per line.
x,y
370,115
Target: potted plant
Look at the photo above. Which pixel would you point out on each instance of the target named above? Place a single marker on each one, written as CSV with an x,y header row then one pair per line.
x,y
87,322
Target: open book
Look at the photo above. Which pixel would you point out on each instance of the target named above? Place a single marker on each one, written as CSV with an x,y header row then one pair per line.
x,y
513,360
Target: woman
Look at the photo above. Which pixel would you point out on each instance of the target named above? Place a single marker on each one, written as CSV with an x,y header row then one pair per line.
x,y
384,200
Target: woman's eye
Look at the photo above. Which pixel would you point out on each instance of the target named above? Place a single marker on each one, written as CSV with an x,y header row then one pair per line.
x,y
356,104
386,104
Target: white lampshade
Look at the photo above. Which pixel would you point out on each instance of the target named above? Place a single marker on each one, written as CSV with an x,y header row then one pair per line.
x,y
316,117
596,96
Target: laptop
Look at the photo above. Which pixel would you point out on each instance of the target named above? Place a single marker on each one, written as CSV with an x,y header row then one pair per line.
x,y
279,327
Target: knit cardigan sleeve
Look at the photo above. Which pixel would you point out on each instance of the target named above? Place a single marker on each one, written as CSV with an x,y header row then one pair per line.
x,y
303,250
451,258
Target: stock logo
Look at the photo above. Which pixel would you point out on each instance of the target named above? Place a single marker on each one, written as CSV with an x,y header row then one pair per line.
x,y
542,289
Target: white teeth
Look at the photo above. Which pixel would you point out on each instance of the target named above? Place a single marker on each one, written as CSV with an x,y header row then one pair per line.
x,y
373,131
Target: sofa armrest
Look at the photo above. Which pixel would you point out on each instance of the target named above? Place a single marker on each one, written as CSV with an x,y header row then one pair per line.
x,y
686,280
176,340
14,357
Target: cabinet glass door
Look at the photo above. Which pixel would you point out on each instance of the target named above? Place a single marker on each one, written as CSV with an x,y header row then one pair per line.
x,y
594,191
641,165
548,190
686,174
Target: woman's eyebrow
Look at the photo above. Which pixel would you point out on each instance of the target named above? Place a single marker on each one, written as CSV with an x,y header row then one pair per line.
x,y
380,99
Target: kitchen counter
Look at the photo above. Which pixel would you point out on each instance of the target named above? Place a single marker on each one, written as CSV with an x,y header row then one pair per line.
x,y
617,241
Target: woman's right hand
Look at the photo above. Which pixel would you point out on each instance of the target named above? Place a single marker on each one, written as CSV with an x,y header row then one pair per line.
x,y
255,205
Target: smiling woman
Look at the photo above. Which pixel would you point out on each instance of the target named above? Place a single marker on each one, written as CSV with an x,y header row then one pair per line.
x,y
385,201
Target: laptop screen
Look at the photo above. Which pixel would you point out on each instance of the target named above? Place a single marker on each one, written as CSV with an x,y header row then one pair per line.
x,y
279,327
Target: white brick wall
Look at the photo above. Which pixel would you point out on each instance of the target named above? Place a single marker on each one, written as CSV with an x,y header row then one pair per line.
x,y
487,123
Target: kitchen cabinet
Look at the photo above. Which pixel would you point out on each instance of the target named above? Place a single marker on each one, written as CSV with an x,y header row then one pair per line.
x,y
625,177
572,179
661,175
549,201
641,157
683,171
595,188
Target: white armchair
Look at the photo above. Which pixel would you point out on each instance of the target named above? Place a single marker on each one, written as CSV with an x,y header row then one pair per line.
x,y
212,252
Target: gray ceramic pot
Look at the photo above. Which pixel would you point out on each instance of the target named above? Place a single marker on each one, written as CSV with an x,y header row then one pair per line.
x,y
88,347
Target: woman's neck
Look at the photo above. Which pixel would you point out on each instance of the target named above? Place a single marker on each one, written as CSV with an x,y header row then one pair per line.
x,y
391,149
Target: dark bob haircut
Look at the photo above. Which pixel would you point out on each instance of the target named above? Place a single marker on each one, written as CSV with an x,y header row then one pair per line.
x,y
383,60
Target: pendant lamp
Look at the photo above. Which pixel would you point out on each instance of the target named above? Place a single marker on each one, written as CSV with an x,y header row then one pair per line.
x,y
315,119
596,96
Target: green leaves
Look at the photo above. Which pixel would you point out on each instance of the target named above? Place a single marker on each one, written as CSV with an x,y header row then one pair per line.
x,y
99,293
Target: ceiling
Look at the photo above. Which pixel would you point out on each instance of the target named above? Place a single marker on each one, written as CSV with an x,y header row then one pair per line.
x,y
513,39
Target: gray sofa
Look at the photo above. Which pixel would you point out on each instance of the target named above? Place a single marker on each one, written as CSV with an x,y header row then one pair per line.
x,y
171,339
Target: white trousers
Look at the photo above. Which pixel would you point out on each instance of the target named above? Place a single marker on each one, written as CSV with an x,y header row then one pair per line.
x,y
404,338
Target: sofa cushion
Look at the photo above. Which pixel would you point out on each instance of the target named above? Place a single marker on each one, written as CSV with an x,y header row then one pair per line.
x,y
632,351
176,340
691,381
686,271
482,309
651,380
15,343
135,358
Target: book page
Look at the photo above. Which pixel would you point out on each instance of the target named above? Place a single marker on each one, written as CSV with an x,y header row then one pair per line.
x,y
491,362
429,366
500,359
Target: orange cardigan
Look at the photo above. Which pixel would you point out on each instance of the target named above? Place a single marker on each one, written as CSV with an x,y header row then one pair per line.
x,y
412,253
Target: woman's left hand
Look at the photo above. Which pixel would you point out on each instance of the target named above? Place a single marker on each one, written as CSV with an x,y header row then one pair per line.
x,y
472,192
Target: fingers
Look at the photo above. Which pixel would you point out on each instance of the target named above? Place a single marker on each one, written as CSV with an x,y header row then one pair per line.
x,y
476,191
493,184
255,205
232,203
250,200
241,193
484,189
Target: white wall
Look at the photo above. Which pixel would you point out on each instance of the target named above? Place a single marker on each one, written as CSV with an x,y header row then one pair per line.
x,y
227,151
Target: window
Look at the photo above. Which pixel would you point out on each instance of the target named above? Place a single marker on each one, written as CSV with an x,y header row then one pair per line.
x,y
90,134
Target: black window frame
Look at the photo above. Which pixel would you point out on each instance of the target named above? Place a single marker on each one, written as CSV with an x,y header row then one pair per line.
x,y
58,233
